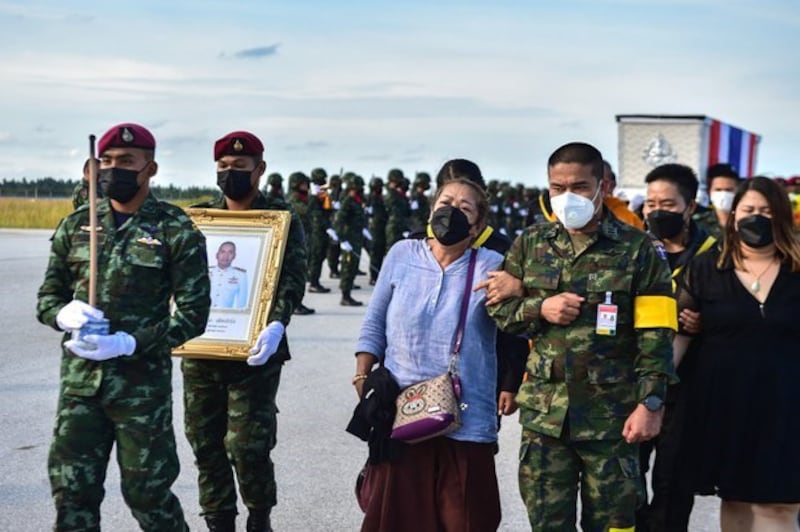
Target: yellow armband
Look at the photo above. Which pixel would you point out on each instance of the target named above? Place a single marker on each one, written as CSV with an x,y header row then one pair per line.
x,y
651,312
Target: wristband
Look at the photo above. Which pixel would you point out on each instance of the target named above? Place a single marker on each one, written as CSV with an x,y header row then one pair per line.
x,y
359,377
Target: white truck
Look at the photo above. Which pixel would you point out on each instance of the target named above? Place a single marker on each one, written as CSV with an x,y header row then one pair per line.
x,y
698,141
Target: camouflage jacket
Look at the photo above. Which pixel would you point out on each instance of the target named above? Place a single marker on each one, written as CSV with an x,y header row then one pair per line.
x,y
707,220
420,215
596,380
350,221
302,206
399,216
292,279
156,255
376,210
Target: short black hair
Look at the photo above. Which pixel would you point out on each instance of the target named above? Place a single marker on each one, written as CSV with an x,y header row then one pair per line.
x,y
460,169
580,153
679,175
721,170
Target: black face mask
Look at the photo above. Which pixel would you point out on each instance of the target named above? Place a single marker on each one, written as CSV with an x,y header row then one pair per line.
x,y
665,225
235,184
449,225
118,183
756,231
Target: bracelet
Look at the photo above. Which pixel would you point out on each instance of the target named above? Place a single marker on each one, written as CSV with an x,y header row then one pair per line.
x,y
359,377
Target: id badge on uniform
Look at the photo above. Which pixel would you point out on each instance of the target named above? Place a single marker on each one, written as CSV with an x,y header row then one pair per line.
x,y
606,317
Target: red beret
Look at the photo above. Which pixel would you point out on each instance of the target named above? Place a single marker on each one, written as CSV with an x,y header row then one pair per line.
x,y
238,143
794,181
126,136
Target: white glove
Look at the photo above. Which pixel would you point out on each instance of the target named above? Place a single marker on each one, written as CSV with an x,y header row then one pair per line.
x,y
346,246
493,208
366,233
332,234
337,205
108,346
518,232
266,344
507,210
414,205
503,231
313,188
368,210
75,314
406,234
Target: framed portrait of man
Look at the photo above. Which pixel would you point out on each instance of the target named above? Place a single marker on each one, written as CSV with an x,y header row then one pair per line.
x,y
245,252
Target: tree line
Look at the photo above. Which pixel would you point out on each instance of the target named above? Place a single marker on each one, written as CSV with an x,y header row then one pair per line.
x,y
48,187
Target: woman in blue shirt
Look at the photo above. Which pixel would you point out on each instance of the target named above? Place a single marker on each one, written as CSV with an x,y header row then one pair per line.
x,y
448,482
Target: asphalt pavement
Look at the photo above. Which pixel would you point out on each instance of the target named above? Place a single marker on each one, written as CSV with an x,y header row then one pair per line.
x,y
316,460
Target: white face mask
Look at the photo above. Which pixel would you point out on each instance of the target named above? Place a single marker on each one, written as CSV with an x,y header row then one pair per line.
x,y
314,189
573,210
722,200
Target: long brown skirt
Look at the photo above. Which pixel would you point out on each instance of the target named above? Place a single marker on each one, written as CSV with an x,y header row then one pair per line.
x,y
439,485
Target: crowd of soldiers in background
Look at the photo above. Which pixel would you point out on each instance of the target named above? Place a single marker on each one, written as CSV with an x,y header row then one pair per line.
x,y
342,216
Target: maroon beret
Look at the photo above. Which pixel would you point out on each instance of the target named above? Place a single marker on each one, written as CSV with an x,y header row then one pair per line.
x,y
238,143
794,181
126,136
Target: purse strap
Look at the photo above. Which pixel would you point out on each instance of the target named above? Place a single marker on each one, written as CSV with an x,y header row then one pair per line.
x,y
462,319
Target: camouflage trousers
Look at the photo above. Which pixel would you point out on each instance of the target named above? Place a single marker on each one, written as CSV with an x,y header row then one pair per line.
x,y
85,430
231,423
551,469
317,249
376,254
349,268
333,256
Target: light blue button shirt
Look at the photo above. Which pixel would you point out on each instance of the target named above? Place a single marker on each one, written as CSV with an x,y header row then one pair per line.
x,y
411,322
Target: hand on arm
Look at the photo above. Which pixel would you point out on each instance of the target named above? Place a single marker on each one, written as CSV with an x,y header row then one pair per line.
x,y
691,321
500,286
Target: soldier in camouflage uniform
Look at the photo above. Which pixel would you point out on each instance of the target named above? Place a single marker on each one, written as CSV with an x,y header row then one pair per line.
x,y
398,209
274,185
303,205
230,410
80,193
335,195
118,388
595,297
349,224
320,213
420,204
376,212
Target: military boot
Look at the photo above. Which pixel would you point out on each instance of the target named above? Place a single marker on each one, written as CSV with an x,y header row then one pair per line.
x,y
348,301
303,310
317,288
258,521
221,521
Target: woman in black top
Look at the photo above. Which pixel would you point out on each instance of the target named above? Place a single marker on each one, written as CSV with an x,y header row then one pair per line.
x,y
746,426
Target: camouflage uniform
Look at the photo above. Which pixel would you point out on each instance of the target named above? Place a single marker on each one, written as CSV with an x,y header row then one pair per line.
x,y
376,211
420,204
274,187
230,410
349,223
155,255
398,209
706,218
335,195
581,385
319,212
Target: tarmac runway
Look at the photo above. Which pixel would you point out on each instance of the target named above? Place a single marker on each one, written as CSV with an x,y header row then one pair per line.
x,y
316,460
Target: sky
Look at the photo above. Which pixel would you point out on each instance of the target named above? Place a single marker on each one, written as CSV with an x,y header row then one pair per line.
x,y
369,86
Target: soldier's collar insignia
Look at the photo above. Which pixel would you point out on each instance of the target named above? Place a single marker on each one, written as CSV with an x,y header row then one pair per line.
x,y
149,241
237,145
127,135
88,228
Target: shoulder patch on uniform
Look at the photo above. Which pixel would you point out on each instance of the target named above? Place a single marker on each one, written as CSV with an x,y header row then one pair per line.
x,y
661,251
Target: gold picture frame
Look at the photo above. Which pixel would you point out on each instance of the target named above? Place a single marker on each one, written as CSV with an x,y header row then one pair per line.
x,y
241,245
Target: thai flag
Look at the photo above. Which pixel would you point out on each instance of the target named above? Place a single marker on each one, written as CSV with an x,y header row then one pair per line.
x,y
734,146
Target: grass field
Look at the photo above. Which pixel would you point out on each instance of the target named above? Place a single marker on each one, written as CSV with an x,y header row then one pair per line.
x,y
25,213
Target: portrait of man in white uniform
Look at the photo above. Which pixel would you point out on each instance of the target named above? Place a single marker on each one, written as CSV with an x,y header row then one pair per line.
x,y
228,282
